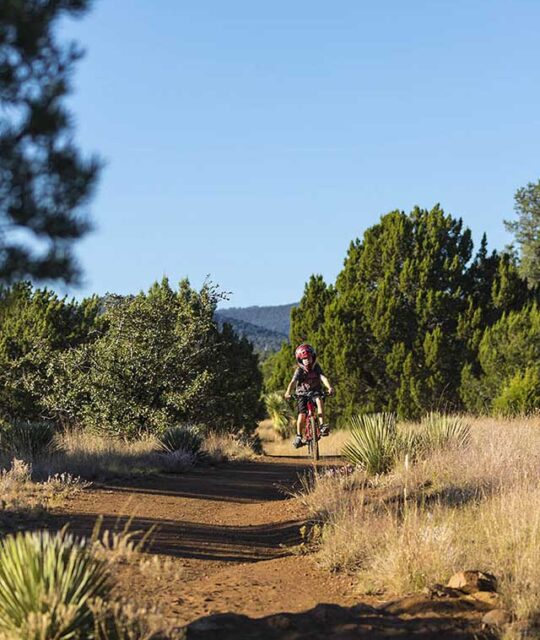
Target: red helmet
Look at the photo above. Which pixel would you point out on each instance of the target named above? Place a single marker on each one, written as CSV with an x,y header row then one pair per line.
x,y
304,351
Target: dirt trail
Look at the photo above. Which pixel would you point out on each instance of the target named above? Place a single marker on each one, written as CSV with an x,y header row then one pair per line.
x,y
227,534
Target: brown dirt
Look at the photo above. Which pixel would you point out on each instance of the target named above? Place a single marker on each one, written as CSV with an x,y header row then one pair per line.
x,y
230,535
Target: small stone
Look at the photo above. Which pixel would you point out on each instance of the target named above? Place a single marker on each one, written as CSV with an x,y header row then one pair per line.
x,y
496,618
473,581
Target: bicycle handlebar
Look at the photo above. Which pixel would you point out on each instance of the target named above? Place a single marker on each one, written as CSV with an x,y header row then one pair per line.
x,y
308,394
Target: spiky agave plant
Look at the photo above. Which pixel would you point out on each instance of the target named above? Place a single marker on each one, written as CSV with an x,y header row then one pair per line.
x,y
188,438
280,413
443,430
28,440
373,442
47,585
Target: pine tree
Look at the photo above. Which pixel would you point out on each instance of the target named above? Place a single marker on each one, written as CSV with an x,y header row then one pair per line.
x,y
45,183
526,230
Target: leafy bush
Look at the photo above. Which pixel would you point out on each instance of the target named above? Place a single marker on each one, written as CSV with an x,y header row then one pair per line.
x,y
27,440
186,438
47,584
374,441
443,430
280,413
520,395
162,360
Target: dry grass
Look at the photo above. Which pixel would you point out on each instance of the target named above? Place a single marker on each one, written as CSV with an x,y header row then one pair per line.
x,y
96,457
477,508
20,495
274,446
222,447
124,551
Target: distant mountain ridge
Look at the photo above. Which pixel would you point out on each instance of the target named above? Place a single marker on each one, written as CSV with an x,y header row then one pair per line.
x,y
274,318
265,327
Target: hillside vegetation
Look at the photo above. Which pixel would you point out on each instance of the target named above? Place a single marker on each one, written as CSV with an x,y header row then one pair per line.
x,y
264,341
274,318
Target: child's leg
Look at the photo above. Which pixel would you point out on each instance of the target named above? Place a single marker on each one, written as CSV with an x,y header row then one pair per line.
x,y
300,423
320,409
325,429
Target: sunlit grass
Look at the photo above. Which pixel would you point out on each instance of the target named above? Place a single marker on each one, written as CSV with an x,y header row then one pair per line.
x,y
470,507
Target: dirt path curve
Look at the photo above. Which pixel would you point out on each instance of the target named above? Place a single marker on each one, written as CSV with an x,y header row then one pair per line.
x,y
227,535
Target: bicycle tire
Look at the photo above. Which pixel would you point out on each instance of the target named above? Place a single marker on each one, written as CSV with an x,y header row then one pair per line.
x,y
314,442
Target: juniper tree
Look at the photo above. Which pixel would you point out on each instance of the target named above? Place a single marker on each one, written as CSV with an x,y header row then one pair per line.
x,y
526,230
509,348
161,360
35,327
45,183
406,316
307,321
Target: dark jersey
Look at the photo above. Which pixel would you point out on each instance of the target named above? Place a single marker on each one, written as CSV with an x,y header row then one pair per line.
x,y
308,380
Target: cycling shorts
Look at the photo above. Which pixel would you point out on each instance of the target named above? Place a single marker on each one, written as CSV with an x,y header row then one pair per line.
x,y
302,404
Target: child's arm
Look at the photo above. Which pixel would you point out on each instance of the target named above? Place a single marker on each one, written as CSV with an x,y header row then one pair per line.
x,y
327,384
289,388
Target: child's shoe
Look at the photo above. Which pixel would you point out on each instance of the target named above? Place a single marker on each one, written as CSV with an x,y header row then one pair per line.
x,y
298,442
325,429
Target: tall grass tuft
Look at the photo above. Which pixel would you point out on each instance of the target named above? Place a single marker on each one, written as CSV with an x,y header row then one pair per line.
x,y
27,440
443,430
187,438
47,584
280,414
373,443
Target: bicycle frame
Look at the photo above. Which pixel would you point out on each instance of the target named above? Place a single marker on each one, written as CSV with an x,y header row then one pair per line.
x,y
312,428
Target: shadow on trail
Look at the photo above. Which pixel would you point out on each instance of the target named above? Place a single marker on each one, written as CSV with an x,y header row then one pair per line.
x,y
343,623
195,540
242,482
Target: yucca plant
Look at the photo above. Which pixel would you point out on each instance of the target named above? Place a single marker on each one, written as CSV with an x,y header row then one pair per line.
x,y
443,430
27,440
373,442
410,442
188,438
47,585
280,414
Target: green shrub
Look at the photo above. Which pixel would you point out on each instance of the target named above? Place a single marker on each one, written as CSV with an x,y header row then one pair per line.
x,y
187,438
280,413
47,584
520,395
374,442
27,440
444,430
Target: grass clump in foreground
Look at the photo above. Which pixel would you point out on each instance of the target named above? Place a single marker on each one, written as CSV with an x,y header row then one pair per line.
x,y
58,587
473,504
47,584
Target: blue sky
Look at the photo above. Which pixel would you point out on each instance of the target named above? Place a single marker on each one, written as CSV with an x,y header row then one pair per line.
x,y
253,141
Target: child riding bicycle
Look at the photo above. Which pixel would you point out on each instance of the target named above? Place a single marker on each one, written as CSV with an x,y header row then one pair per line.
x,y
308,376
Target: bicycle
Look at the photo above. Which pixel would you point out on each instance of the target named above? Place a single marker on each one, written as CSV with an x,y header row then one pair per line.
x,y
312,429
